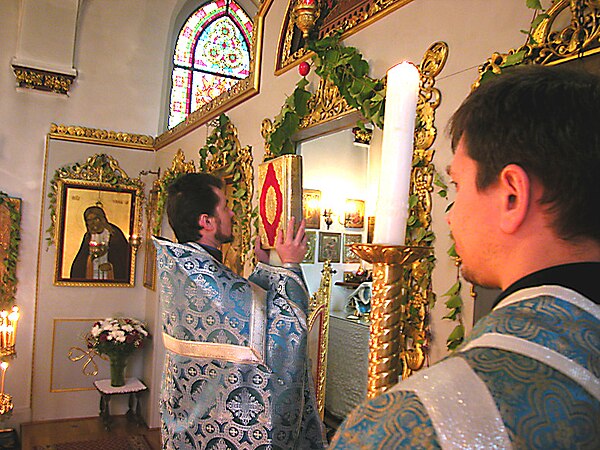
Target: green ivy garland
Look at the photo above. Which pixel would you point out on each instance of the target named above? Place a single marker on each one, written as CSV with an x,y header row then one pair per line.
x,y
8,286
347,69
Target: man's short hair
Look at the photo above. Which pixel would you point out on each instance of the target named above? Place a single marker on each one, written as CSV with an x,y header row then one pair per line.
x,y
544,119
188,197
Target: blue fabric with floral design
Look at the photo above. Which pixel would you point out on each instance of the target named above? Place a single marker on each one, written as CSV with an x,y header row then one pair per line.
x,y
222,401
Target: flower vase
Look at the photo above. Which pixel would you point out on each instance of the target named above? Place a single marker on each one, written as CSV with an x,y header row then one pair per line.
x,y
118,363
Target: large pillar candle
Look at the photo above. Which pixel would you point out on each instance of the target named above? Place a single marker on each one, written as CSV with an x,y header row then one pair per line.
x,y
396,154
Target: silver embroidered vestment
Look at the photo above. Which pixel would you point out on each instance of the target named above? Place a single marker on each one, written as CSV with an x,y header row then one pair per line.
x,y
236,373
528,377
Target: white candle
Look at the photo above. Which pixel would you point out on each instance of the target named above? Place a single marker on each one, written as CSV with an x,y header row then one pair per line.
x,y
396,154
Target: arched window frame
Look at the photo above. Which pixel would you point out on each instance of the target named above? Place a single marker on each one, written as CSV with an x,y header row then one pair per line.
x,y
239,18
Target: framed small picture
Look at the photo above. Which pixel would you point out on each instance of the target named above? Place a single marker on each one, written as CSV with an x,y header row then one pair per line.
x,y
354,215
349,255
311,204
370,229
95,224
329,247
309,258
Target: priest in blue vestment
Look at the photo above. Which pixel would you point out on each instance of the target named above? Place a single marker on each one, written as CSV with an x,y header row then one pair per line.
x,y
526,219
236,372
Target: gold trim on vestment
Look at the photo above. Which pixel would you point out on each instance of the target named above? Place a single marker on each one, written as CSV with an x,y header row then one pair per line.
x,y
212,350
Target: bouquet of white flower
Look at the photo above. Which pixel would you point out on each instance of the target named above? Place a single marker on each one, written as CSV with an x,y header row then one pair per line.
x,y
117,336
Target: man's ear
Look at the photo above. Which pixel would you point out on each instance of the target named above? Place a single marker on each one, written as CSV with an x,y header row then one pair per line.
x,y
206,222
515,188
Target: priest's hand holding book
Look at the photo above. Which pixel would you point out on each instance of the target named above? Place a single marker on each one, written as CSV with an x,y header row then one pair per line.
x,y
290,247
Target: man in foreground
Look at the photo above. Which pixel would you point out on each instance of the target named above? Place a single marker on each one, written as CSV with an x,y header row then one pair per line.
x,y
526,219
236,373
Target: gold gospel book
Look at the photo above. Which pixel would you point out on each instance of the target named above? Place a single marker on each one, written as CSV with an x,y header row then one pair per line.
x,y
280,196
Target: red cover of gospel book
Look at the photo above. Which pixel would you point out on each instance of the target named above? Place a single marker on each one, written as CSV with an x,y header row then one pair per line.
x,y
280,196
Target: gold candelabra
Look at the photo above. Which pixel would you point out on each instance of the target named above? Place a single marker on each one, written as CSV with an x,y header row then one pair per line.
x,y
8,335
389,301
8,331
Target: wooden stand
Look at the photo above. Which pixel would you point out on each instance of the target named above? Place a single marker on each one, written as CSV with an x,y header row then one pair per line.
x,y
133,387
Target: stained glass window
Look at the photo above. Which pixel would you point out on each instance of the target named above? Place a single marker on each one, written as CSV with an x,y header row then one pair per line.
x,y
212,54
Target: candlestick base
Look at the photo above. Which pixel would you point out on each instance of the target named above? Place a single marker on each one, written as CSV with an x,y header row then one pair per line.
x,y
9,350
388,343
6,404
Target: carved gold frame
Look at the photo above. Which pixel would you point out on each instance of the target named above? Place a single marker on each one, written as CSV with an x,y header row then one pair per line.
x,y
240,92
353,16
553,44
99,173
319,317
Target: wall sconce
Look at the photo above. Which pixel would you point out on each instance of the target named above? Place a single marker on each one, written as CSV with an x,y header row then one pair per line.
x,y
327,213
362,137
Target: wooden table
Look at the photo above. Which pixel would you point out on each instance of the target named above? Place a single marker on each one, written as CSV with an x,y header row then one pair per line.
x,y
133,387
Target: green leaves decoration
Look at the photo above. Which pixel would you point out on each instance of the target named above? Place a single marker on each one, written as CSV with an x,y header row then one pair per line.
x,y
8,285
286,123
347,69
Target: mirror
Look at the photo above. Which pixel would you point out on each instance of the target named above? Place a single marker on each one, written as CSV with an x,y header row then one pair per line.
x,y
241,91
337,176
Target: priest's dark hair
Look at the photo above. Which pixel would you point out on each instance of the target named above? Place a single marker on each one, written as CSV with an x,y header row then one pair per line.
x,y
544,119
188,197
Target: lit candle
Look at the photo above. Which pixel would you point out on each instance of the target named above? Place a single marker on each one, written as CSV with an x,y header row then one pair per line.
x,y
3,366
396,154
13,317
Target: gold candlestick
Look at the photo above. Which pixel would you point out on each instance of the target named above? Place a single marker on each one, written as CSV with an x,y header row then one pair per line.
x,y
391,264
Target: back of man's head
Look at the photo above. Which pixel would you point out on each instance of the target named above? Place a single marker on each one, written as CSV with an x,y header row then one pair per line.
x,y
188,197
545,119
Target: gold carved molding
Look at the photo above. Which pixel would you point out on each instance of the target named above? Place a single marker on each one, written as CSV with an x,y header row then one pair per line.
x,y
419,291
404,289
43,80
319,316
347,16
325,104
103,137
571,30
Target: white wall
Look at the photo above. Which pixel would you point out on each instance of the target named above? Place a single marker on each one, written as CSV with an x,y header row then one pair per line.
x,y
120,57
